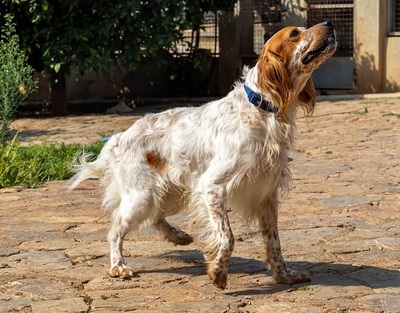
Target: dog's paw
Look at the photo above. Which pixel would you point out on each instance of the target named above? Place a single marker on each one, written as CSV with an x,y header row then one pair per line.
x,y
182,239
123,272
291,277
173,234
218,275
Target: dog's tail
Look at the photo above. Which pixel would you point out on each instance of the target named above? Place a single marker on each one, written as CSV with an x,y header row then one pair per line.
x,y
95,169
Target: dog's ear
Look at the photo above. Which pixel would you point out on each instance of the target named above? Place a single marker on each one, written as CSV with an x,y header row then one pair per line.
x,y
274,79
307,97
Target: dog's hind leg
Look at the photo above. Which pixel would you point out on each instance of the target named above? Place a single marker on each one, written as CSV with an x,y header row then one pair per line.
x,y
173,234
134,209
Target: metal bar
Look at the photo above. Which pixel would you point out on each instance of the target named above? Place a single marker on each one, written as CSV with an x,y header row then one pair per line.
x,y
330,6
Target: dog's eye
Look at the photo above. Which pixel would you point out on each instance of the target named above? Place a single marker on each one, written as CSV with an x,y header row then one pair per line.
x,y
294,33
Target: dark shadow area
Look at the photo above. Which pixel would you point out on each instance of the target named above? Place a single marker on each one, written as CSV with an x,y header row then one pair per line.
x,y
322,273
25,134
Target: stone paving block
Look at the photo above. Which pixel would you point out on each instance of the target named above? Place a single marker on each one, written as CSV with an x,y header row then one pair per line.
x,y
12,303
40,288
387,303
68,305
285,307
86,251
47,244
379,279
39,260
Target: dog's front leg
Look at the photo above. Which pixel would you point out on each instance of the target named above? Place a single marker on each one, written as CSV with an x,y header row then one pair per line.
x,y
220,237
268,220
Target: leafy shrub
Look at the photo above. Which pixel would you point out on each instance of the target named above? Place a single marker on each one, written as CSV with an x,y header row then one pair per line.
x,y
16,81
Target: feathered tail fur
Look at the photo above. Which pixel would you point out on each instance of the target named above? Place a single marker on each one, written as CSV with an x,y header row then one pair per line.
x,y
96,169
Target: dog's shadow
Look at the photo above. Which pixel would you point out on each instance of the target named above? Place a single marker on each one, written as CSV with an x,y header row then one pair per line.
x,y
328,274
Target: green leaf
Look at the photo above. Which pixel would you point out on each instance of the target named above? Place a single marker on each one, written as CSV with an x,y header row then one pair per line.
x,y
57,67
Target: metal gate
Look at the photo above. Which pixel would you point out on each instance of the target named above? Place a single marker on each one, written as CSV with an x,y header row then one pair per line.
x,y
260,19
338,71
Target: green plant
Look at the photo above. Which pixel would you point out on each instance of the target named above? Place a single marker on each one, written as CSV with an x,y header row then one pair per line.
x,y
35,164
392,114
113,295
365,111
304,288
16,81
87,299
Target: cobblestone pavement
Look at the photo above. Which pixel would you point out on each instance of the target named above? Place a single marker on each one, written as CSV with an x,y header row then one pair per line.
x,y
340,221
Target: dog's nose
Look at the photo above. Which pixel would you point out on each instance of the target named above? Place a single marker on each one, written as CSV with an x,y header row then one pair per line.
x,y
328,24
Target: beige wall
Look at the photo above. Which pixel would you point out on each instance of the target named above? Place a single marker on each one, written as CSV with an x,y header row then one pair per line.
x,y
377,56
369,33
392,68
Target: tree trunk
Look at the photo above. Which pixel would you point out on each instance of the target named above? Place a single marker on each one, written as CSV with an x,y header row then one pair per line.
x,y
59,94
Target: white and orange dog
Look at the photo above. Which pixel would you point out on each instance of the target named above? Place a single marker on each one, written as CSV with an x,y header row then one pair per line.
x,y
227,154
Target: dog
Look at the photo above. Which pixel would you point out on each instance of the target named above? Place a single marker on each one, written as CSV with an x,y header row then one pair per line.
x,y
228,154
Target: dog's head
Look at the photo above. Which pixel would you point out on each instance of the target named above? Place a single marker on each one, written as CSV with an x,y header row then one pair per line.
x,y
288,60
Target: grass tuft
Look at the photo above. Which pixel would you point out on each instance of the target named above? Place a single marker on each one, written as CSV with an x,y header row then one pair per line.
x,y
113,295
87,299
304,288
33,165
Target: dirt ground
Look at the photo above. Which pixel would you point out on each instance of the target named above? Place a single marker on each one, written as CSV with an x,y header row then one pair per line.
x,y
340,221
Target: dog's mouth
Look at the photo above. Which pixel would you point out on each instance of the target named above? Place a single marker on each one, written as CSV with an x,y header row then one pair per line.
x,y
328,45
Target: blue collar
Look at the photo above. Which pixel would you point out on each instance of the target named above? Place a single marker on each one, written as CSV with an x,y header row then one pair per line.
x,y
259,102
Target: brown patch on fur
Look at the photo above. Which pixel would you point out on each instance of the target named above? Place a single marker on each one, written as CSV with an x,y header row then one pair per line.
x,y
274,77
155,162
